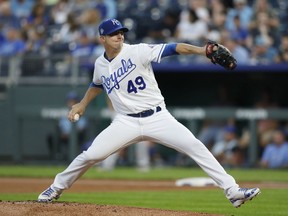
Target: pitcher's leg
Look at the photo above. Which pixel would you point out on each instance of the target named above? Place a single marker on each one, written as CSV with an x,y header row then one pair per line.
x,y
174,135
75,170
110,140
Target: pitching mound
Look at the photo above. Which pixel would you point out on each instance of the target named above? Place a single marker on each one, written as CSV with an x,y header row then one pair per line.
x,y
29,208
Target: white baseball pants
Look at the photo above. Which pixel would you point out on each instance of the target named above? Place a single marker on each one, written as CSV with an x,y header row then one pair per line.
x,y
161,127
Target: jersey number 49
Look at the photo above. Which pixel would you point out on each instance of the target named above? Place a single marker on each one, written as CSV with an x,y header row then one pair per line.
x,y
139,83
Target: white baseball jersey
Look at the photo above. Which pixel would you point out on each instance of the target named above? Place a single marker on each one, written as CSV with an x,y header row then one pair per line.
x,y
129,78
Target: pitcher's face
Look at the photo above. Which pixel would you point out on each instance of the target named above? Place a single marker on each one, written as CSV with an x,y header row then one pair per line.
x,y
113,41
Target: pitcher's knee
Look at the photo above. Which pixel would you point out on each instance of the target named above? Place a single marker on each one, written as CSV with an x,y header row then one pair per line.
x,y
93,157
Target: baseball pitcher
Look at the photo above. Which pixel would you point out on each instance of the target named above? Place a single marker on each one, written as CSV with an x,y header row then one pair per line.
x,y
125,73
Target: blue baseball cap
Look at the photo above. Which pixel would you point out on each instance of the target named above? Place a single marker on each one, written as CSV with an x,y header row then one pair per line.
x,y
72,95
111,25
230,129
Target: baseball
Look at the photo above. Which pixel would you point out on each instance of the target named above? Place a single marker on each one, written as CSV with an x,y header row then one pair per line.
x,y
76,117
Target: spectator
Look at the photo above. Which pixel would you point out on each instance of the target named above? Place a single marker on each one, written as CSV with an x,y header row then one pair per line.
x,y
21,8
212,130
59,12
265,21
83,50
35,42
265,130
241,9
13,43
239,52
275,154
239,34
38,18
264,30
7,18
218,13
265,127
2,37
106,8
65,35
36,52
217,22
265,7
227,151
70,31
263,52
111,10
89,20
164,29
191,28
64,129
200,8
283,50
195,16
79,6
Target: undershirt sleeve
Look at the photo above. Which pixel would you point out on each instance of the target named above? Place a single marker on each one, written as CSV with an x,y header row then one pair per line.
x,y
169,50
92,84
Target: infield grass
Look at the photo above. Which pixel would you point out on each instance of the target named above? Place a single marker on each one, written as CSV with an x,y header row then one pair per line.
x,y
271,202
165,173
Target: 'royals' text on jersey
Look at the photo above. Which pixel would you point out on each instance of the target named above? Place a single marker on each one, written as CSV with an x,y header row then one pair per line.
x,y
129,78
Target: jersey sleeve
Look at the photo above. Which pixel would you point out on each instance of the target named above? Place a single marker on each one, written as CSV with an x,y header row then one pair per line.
x,y
93,85
151,52
96,81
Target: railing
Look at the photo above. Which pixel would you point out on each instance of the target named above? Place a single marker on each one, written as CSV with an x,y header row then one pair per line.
x,y
56,70
65,69
191,115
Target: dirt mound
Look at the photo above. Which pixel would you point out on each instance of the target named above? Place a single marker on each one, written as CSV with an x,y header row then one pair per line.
x,y
33,208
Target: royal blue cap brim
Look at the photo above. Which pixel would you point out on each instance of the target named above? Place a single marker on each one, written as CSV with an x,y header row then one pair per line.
x,y
117,29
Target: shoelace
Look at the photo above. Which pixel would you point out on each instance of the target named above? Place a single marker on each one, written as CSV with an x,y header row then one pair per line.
x,y
242,189
48,192
246,195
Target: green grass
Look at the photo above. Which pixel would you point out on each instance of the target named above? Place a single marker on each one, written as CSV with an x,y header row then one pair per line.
x,y
170,173
271,202
208,201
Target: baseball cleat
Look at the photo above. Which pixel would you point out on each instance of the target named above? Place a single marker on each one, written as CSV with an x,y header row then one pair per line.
x,y
240,195
49,195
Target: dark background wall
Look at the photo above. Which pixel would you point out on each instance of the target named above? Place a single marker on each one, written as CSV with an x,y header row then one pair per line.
x,y
222,88
186,89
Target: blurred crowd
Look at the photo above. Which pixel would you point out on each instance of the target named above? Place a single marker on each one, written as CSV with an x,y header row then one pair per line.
x,y
254,30
229,142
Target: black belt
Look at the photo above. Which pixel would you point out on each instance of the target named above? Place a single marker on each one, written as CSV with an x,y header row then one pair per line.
x,y
145,113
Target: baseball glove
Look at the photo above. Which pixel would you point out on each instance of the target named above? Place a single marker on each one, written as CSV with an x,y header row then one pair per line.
x,y
219,54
